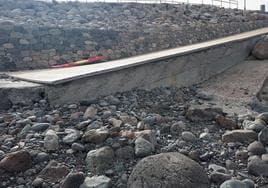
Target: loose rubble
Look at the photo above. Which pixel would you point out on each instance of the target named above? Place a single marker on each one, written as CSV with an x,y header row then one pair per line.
x,y
115,140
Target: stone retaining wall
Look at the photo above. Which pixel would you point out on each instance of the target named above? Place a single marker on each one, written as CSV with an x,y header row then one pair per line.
x,y
28,41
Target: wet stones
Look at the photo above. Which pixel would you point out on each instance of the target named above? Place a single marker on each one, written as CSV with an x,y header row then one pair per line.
x,y
16,161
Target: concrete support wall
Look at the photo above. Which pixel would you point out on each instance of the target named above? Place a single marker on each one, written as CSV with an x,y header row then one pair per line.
x,y
180,71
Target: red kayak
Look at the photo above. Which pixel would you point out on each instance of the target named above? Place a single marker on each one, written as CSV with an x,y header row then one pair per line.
x,y
95,59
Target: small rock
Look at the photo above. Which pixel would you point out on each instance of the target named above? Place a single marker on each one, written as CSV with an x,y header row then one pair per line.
x,y
263,117
100,159
235,184
202,113
263,136
219,174
37,127
78,147
72,136
73,180
241,155
54,172
16,161
264,157
97,182
188,136
256,148
239,136
129,120
126,152
51,141
226,122
41,157
90,113
96,136
38,182
258,167
143,147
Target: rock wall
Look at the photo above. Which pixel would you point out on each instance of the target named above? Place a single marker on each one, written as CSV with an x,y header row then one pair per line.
x,y
36,34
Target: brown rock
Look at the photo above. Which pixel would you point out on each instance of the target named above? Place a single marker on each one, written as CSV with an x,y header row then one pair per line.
x,y
202,113
54,172
239,136
226,122
260,50
16,161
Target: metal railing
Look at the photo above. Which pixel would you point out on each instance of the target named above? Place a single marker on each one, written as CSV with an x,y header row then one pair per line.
x,y
221,3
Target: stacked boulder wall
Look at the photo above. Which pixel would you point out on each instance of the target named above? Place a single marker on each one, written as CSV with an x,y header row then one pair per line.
x,y
168,170
36,34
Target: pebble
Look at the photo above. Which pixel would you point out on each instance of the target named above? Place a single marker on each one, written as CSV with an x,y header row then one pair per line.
x,y
143,147
97,182
188,136
238,184
73,180
78,147
263,136
51,141
96,136
72,136
256,148
100,159
219,174
37,127
258,167
90,113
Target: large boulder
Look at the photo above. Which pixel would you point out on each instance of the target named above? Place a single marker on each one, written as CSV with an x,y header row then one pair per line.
x,y
168,170
260,50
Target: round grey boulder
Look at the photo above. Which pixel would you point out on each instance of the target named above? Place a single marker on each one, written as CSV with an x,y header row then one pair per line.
x,y
168,170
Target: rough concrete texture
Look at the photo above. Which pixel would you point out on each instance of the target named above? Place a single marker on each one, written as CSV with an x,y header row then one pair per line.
x,y
35,34
19,92
180,71
236,88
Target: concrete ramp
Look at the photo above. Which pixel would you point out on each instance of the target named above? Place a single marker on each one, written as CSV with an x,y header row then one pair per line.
x,y
59,76
237,87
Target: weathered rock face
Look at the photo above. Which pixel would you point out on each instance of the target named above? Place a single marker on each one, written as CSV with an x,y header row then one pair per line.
x,y
37,34
260,50
172,170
